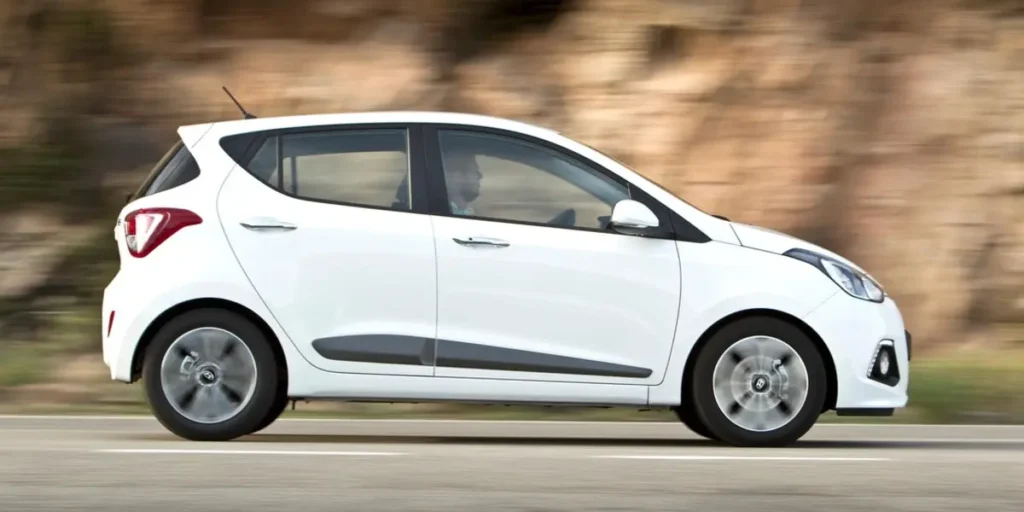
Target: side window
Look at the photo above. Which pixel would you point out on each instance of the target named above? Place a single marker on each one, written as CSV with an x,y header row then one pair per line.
x,y
495,177
360,167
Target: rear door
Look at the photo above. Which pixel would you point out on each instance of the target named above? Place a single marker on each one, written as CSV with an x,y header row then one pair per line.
x,y
329,225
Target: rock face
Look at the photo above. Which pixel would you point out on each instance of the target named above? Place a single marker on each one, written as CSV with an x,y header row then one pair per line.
x,y
890,131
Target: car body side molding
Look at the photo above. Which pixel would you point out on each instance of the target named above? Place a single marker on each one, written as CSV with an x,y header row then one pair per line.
x,y
457,354
414,350
378,348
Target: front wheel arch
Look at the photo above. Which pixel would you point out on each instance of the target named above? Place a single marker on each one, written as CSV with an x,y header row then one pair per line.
x,y
832,381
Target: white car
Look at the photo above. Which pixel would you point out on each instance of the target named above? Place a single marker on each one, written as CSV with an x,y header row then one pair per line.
x,y
444,257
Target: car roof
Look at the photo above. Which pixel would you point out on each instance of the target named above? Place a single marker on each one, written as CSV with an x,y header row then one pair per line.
x,y
328,119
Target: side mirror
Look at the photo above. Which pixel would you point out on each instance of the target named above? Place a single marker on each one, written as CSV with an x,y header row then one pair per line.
x,y
633,218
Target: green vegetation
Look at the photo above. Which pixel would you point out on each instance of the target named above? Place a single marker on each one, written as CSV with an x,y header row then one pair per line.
x,y
971,387
21,364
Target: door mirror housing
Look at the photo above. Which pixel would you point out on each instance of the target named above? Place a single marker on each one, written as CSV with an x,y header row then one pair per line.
x,y
633,218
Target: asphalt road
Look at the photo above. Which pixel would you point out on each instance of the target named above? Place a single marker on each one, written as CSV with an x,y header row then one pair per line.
x,y
112,464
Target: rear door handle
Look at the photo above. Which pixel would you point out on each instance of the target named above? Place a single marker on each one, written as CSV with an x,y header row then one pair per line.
x,y
479,240
267,225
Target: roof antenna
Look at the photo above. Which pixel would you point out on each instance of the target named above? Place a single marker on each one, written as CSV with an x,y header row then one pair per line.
x,y
246,114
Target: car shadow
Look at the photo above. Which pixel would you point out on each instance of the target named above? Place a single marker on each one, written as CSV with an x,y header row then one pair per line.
x,y
327,439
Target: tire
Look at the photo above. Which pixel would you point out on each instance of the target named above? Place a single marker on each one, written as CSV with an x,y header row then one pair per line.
x,y
763,386
211,379
280,404
688,415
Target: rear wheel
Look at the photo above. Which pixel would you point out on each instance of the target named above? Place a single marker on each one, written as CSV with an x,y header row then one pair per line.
x,y
759,382
280,403
211,375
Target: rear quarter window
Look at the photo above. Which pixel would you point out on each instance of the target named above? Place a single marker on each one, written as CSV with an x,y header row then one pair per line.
x,y
176,168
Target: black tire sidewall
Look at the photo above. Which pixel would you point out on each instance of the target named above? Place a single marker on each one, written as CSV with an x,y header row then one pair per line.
x,y
707,410
275,410
263,398
688,415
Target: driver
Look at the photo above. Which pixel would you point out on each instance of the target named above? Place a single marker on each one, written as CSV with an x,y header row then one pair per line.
x,y
462,176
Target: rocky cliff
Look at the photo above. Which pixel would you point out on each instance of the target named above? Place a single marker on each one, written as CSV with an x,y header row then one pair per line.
x,y
891,131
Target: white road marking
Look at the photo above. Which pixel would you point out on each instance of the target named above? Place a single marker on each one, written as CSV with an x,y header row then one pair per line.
x,y
144,417
740,457
148,451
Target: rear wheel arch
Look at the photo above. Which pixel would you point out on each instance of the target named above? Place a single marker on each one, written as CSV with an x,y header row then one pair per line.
x,y
826,355
207,303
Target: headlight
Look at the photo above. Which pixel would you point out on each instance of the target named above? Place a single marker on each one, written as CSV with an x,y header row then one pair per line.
x,y
852,281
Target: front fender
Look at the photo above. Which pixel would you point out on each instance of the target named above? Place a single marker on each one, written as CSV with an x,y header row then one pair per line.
x,y
721,280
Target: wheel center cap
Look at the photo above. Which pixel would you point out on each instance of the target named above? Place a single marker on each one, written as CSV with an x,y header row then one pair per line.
x,y
760,383
207,376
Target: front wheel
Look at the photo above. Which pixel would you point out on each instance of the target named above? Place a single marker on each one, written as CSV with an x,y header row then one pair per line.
x,y
211,375
688,415
759,382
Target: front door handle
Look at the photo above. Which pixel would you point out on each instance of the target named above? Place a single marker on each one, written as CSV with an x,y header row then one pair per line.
x,y
267,224
477,240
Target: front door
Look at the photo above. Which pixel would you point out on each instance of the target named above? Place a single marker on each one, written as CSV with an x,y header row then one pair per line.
x,y
332,233
532,284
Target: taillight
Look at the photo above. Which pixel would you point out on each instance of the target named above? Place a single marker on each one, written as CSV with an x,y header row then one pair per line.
x,y
110,323
146,229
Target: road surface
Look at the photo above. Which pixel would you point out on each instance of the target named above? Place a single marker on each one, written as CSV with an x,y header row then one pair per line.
x,y
111,464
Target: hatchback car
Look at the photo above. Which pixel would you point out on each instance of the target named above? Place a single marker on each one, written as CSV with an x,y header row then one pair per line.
x,y
445,257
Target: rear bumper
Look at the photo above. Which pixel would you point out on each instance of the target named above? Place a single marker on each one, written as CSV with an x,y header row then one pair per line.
x,y
856,333
121,336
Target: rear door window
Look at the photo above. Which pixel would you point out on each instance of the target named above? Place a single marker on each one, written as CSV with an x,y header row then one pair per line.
x,y
355,167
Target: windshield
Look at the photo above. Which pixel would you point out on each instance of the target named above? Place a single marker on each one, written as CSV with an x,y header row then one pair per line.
x,y
655,183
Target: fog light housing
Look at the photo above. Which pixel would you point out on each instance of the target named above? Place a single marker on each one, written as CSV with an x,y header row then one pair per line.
x,y
883,363
884,367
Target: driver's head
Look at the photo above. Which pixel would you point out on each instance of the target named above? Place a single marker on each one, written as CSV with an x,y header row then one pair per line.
x,y
462,175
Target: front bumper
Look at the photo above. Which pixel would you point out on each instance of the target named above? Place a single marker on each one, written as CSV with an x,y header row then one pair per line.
x,y
910,348
857,333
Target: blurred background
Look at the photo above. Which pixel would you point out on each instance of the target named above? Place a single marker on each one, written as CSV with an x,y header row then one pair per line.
x,y
890,131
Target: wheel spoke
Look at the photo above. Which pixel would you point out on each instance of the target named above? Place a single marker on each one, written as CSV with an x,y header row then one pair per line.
x,y
220,401
238,381
736,356
207,403
187,400
233,395
735,409
213,342
740,403
784,408
228,348
236,363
